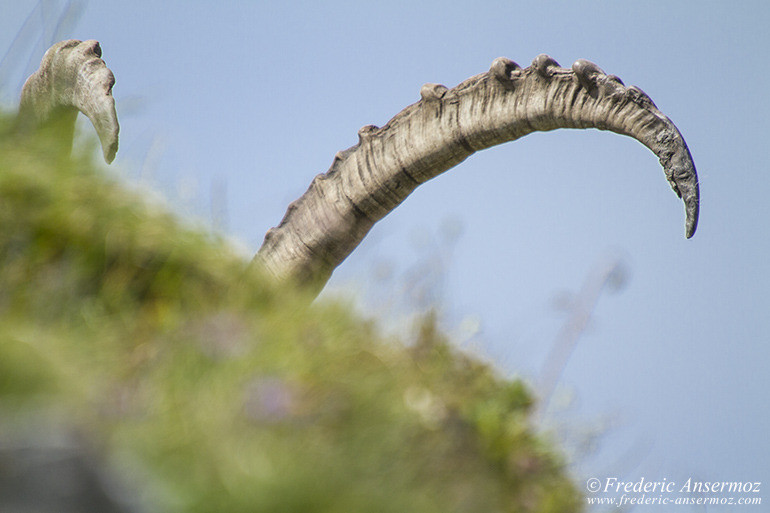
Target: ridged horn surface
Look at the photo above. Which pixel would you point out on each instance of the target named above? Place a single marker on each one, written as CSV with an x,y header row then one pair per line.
x,y
431,136
73,77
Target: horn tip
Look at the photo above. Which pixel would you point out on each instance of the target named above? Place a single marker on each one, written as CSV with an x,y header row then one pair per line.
x,y
691,224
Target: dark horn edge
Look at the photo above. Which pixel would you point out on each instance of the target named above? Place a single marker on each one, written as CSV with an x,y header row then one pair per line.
x,y
692,211
684,178
110,150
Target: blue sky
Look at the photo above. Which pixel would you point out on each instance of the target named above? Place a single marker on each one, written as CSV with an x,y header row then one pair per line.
x,y
247,101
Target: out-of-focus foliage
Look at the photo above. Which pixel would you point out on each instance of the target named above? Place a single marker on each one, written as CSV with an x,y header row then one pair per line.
x,y
204,387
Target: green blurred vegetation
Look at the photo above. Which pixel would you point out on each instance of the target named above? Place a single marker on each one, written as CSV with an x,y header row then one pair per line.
x,y
207,388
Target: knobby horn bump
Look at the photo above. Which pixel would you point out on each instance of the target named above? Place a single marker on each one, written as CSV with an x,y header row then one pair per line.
x,y
72,77
368,180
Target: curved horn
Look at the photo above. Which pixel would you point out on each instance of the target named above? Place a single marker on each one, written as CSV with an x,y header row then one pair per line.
x,y
72,77
367,181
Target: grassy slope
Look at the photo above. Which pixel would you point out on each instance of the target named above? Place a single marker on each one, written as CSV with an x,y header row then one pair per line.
x,y
209,389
